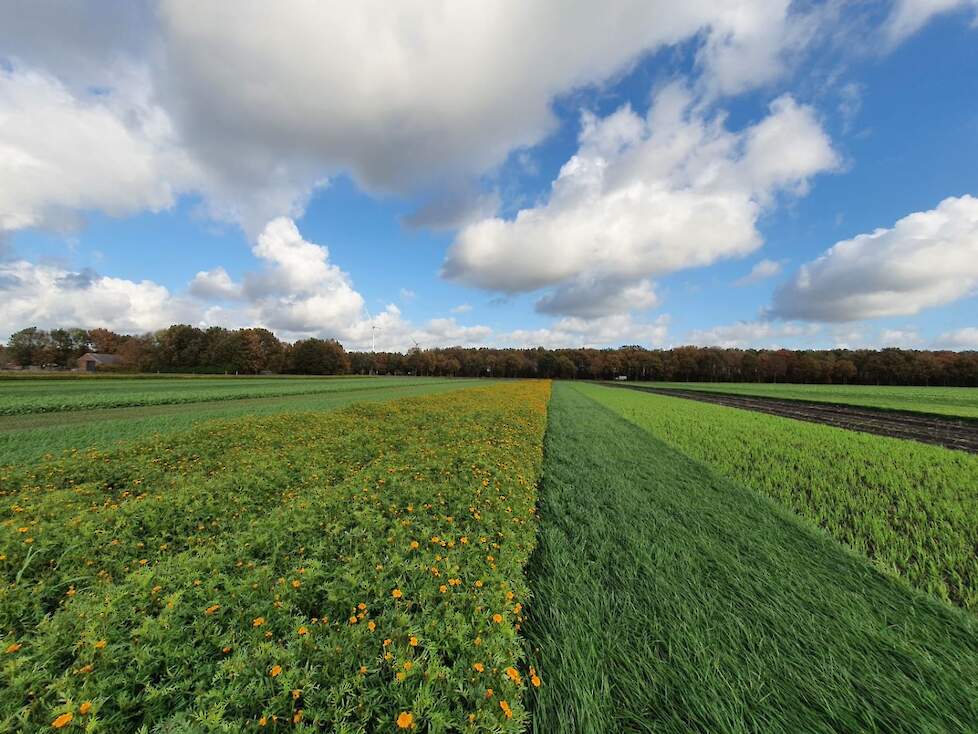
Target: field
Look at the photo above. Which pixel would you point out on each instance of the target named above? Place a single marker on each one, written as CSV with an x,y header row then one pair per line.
x,y
20,397
956,401
287,569
669,599
34,436
458,555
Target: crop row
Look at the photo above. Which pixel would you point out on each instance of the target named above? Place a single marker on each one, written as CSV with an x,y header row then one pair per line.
x,y
911,508
20,398
953,401
346,571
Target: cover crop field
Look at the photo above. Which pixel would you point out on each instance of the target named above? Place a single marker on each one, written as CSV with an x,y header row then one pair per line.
x,y
438,555
955,401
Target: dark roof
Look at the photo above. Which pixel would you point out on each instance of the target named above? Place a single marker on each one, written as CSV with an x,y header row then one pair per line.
x,y
103,358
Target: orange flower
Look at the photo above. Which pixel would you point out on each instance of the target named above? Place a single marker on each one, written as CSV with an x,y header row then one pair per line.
x,y
211,609
506,709
535,680
514,675
100,644
276,669
479,667
297,717
497,618
296,583
295,694
258,622
85,708
443,588
408,665
12,648
371,625
62,720
415,545
405,720
397,594
413,642
302,630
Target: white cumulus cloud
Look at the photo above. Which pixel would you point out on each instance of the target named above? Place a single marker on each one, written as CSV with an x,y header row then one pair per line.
x,y
926,259
762,270
645,196
909,16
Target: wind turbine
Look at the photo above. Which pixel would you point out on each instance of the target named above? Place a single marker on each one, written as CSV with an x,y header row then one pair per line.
x,y
373,330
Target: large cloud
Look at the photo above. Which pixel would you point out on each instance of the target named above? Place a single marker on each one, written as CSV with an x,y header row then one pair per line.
x,y
926,259
61,154
645,196
417,90
50,295
746,334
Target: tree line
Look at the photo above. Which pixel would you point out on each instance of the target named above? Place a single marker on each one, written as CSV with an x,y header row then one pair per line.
x,y
182,348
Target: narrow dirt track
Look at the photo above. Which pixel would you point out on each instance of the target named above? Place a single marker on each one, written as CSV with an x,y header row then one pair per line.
x,y
952,433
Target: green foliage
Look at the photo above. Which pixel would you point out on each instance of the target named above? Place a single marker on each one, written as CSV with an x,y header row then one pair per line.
x,y
23,396
36,436
958,401
910,507
669,599
267,567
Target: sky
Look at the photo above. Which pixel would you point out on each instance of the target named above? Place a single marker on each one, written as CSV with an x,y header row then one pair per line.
x,y
562,173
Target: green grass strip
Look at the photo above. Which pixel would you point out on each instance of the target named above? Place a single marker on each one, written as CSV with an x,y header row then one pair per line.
x,y
953,401
669,599
909,507
41,436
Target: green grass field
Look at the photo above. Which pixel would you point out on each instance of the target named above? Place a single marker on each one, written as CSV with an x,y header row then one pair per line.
x,y
25,396
30,437
910,507
956,401
358,559
667,598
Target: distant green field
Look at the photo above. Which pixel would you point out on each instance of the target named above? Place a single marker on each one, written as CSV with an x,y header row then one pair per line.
x,y
32,436
959,401
910,507
47,395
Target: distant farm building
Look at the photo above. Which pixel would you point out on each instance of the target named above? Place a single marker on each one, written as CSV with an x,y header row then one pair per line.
x,y
92,361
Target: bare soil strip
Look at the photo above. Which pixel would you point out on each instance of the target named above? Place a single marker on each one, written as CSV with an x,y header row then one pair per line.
x,y
949,432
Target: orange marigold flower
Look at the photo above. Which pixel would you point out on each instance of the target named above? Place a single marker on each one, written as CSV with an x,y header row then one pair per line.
x,y
100,644
535,680
297,717
12,648
276,669
408,665
479,667
62,720
506,709
302,631
296,583
514,675
85,708
405,720
257,621
497,618
415,545
353,620
371,625
397,594
211,609
443,588
413,642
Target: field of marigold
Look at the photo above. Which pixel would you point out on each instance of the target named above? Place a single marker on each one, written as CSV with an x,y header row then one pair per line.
x,y
359,570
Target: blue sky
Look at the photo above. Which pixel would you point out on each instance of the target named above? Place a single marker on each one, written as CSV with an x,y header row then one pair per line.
x,y
612,182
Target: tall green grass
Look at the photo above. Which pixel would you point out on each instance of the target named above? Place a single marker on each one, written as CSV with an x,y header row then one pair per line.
x,y
669,599
911,508
953,401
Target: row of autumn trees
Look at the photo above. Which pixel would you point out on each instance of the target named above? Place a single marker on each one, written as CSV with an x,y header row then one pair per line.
x,y
180,348
184,348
